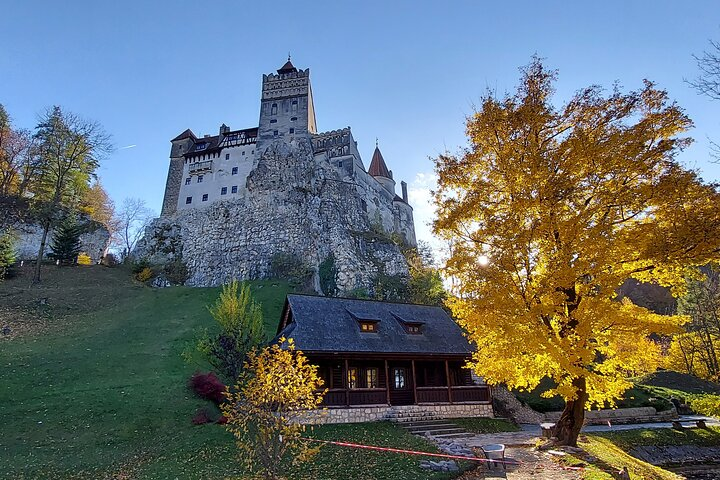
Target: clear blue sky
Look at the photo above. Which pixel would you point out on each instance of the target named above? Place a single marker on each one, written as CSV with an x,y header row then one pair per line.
x,y
406,72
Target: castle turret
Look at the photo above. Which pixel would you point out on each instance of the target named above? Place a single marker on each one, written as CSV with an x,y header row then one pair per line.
x,y
378,169
287,105
180,146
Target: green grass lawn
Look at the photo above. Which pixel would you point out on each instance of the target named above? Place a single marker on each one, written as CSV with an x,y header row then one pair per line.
x,y
103,391
97,387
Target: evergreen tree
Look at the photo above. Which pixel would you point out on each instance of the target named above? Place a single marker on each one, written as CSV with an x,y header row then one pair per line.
x,y
66,242
7,255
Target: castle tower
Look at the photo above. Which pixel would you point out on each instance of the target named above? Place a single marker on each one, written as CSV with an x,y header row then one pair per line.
x,y
286,107
378,169
180,146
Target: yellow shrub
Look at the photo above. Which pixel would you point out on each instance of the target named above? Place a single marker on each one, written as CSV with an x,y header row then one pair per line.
x,y
144,275
84,259
706,405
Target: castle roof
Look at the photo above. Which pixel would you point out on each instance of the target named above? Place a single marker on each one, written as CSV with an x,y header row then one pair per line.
x,y
377,165
186,134
287,68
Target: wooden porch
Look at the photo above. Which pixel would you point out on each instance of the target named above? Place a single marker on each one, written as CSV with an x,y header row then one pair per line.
x,y
396,381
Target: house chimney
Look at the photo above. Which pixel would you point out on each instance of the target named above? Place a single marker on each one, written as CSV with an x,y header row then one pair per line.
x,y
403,185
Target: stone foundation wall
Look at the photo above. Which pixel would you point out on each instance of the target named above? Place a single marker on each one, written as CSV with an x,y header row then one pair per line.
x,y
621,415
399,414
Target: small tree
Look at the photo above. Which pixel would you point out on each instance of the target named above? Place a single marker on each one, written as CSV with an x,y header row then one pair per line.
x,y
240,320
7,254
276,385
130,223
65,244
425,285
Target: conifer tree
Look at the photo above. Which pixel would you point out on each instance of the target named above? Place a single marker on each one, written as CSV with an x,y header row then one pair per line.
x,y
66,242
7,254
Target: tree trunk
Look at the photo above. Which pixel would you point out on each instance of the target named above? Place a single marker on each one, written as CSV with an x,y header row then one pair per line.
x,y
41,253
571,420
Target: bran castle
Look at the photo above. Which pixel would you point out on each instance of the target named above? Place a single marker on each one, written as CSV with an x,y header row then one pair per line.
x,y
236,200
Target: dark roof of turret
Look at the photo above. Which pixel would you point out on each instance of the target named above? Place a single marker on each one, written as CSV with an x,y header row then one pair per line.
x,y
377,165
326,324
186,134
287,68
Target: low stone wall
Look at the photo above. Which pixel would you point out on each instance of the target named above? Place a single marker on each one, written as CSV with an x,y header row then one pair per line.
x,y
621,415
397,413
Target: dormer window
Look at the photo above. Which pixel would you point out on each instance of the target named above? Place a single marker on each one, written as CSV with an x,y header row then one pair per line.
x,y
368,327
200,146
412,327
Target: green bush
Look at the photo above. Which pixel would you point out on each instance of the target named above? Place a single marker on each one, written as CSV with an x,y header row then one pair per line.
x,y
328,276
176,272
290,267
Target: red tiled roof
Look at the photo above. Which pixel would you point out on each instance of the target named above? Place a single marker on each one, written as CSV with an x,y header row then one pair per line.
x,y
377,165
287,68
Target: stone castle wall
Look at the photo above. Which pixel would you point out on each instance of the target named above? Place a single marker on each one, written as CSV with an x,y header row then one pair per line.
x,y
295,204
94,242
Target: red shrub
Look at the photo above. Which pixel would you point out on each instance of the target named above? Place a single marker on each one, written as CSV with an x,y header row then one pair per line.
x,y
201,417
222,420
208,386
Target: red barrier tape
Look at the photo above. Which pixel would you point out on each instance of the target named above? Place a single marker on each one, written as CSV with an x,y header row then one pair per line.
x,y
409,452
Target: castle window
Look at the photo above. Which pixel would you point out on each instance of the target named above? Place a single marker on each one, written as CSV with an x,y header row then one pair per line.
x,y
292,130
205,197
273,109
234,170
293,119
188,200
223,191
294,106
274,120
234,189
227,156
187,181
243,152
275,133
200,179
363,205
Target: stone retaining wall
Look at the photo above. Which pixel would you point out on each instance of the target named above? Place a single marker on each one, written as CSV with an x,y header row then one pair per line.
x,y
621,415
398,413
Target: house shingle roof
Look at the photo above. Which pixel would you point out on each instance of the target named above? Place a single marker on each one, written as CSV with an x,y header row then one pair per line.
x,y
325,324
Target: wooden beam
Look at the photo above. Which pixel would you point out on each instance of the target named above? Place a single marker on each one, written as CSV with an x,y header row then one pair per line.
x,y
347,384
447,379
387,382
414,382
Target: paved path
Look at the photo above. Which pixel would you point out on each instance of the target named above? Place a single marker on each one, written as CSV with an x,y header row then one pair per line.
x,y
536,465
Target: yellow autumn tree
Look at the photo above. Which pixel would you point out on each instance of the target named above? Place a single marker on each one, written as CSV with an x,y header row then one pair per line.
x,y
548,211
276,386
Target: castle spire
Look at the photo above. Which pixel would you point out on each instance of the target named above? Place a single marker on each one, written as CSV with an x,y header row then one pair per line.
x,y
378,168
288,67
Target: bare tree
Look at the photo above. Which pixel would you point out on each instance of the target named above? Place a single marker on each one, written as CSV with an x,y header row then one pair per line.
x,y
708,81
132,218
69,150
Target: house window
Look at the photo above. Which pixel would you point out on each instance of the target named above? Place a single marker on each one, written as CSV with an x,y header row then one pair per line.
x,y
227,156
352,378
368,327
371,377
223,191
399,377
188,200
187,181
205,197
200,179
413,329
234,189
234,170
292,130
273,109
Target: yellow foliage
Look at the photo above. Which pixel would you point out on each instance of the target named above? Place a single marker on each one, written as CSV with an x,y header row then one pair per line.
x,y
567,204
691,353
84,259
262,408
144,275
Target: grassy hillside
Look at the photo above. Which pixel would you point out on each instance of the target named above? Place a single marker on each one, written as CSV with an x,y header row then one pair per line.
x,y
97,386
92,386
